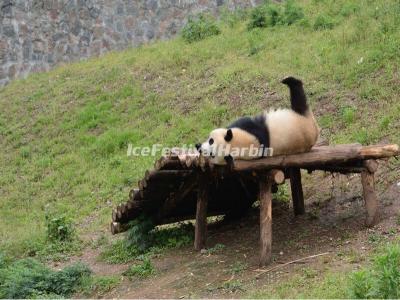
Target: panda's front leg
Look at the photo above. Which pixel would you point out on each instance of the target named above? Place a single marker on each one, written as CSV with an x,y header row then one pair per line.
x,y
229,162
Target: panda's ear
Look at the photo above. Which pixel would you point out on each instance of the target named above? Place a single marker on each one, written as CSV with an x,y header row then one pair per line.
x,y
229,135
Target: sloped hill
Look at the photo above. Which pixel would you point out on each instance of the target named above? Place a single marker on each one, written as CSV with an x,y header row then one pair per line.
x,y
64,134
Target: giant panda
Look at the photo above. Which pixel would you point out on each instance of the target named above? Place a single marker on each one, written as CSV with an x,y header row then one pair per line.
x,y
282,131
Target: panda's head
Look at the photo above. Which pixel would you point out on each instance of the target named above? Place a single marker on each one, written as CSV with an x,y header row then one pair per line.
x,y
217,146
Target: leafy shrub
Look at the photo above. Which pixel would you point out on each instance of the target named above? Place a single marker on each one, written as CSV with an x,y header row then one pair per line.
x,y
142,238
199,29
258,18
275,14
59,228
143,235
98,285
324,22
143,270
292,13
27,278
382,280
139,235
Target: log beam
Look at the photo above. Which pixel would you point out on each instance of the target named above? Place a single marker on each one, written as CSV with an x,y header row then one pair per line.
x,y
297,191
320,156
370,198
200,235
265,219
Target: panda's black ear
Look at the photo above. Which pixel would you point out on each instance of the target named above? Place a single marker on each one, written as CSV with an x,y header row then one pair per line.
x,y
229,135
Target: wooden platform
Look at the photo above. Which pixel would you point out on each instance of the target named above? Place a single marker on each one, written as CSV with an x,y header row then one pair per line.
x,y
187,186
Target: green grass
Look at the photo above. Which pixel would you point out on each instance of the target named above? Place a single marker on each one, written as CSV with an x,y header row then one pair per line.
x,y
142,270
28,278
64,134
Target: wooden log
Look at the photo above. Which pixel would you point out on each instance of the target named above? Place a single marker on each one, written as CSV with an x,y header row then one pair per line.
x,y
324,155
155,175
201,213
370,198
117,227
371,165
277,176
297,191
265,219
114,215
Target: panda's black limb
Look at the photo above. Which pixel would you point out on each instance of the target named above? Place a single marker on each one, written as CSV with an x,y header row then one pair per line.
x,y
298,98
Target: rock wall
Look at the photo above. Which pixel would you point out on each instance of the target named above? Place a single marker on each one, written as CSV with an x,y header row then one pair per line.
x,y
35,35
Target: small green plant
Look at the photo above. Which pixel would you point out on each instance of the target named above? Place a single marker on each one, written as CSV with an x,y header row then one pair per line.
x,y
98,285
374,238
258,18
348,115
275,14
292,13
199,28
381,280
139,234
215,249
323,22
28,278
237,268
282,194
233,286
119,253
143,270
59,228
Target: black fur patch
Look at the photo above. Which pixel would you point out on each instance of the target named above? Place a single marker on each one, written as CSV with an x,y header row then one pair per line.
x,y
255,126
298,98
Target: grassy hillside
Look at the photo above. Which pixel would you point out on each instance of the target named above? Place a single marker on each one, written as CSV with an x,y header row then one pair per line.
x,y
64,134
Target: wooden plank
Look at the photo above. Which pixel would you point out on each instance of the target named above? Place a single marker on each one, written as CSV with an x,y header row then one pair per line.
x,y
265,219
370,198
200,235
320,156
297,191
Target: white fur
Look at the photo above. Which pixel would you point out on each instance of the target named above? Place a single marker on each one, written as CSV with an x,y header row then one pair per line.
x,y
289,133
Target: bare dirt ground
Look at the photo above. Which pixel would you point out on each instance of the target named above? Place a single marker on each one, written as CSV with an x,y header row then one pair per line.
x,y
334,223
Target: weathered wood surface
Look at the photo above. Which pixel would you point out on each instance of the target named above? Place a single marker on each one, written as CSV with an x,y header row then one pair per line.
x,y
370,199
297,191
203,194
320,156
161,192
265,196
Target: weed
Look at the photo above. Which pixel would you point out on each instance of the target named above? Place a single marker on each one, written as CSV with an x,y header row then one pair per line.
x,y
143,270
118,253
324,22
309,273
157,239
381,280
237,268
59,228
348,115
233,286
258,18
98,285
215,249
199,29
29,278
138,235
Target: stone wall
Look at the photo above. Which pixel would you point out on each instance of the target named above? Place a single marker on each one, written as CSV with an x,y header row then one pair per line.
x,y
35,35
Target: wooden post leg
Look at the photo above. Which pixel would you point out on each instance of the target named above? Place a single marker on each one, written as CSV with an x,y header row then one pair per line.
x,y
265,219
370,199
297,191
200,235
